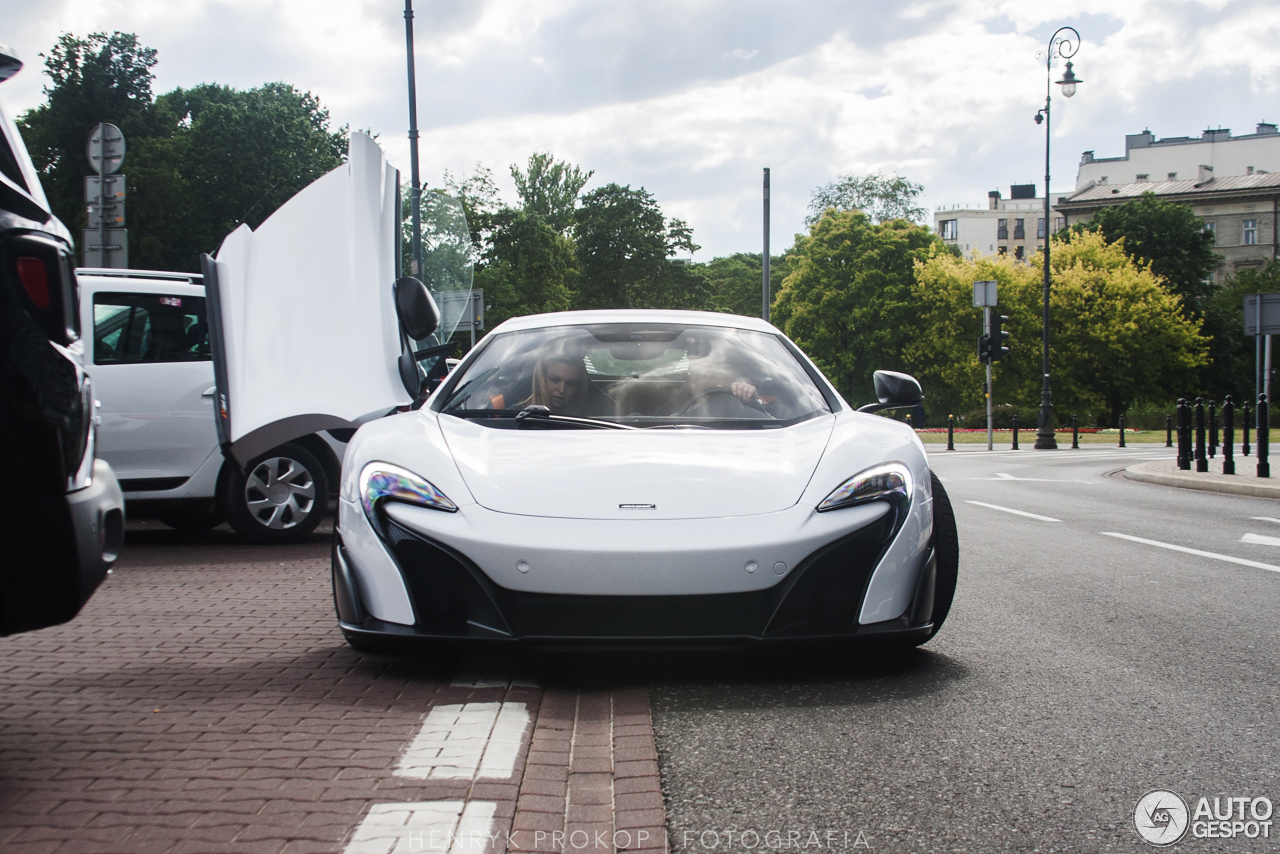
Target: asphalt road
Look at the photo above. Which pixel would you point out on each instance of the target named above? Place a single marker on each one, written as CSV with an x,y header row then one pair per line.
x,y
1077,672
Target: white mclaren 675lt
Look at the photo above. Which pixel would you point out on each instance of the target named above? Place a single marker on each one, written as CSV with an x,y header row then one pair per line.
x,y
633,476
600,476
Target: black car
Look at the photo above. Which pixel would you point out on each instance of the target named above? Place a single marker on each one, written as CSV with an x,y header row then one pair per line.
x,y
61,510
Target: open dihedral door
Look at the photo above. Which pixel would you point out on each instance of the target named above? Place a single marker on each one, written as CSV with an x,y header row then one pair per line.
x,y
302,314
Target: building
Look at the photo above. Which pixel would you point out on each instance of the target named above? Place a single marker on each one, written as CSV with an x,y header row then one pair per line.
x,y
1013,226
1179,158
1241,210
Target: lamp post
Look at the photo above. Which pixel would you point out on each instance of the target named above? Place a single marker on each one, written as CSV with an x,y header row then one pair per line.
x,y
1064,46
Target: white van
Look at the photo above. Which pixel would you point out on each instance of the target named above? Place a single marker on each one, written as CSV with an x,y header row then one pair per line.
x,y
149,356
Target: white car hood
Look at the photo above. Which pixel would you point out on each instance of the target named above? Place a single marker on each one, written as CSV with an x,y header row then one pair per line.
x,y
636,474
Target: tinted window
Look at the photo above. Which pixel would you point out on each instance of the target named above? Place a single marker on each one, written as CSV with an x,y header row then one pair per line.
x,y
133,328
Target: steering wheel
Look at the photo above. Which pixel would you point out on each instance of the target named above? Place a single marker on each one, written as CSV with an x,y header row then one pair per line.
x,y
704,399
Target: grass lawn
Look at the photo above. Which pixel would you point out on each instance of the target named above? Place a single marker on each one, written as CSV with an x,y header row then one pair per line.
x,y
1028,437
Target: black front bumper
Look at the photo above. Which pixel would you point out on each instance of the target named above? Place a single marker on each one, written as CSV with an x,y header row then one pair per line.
x,y
453,599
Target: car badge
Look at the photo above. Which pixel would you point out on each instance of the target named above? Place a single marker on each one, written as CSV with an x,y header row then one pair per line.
x,y
637,506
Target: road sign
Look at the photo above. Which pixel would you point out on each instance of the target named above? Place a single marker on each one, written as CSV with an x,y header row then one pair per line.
x,y
105,148
1270,314
984,294
116,243
466,308
93,188
110,215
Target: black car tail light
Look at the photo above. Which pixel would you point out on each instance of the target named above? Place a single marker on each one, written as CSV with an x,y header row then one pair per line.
x,y
34,277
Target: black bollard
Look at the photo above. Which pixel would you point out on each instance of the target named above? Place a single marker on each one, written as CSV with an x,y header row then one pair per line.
x,y
1168,431
1015,431
1075,432
1213,430
1228,435
1184,435
1245,422
1202,461
1122,429
1264,436
951,432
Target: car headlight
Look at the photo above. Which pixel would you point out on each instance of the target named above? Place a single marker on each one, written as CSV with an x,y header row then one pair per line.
x,y
381,482
889,482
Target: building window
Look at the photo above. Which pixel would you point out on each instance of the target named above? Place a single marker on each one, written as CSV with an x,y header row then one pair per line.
x,y
1212,228
1019,230
1003,250
1059,223
1017,252
1040,228
1002,229
1250,237
949,229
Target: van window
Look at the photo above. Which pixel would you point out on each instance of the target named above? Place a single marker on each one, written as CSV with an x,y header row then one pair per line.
x,y
134,328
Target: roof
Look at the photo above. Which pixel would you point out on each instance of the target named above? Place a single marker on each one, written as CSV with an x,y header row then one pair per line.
x,y
1226,185
636,315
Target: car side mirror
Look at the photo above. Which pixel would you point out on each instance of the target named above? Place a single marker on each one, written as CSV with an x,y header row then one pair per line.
x,y
9,62
895,391
417,311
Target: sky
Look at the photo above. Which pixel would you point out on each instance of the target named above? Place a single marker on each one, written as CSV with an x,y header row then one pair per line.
x,y
691,99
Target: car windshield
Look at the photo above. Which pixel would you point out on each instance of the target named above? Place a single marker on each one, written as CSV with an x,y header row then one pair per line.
x,y
636,374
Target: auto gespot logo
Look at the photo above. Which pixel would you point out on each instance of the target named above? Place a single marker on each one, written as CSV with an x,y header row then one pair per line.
x,y
1162,817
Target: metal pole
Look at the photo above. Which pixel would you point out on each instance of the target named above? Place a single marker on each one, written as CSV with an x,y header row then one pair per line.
x,y
1202,461
986,330
1264,436
1044,435
1266,368
1257,361
1228,436
764,285
416,186
102,197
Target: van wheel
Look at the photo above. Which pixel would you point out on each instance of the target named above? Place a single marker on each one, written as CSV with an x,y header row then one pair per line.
x,y
280,498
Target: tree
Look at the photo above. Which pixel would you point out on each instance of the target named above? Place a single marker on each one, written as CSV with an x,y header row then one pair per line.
x,y
478,194
1166,236
880,197
549,188
1118,336
624,246
1233,354
99,78
736,281
529,269
849,299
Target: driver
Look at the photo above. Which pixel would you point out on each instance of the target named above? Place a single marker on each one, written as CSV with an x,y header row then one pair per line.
x,y
559,383
712,372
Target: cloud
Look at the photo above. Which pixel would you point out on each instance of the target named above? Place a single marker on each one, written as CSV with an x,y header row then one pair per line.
x,y
691,99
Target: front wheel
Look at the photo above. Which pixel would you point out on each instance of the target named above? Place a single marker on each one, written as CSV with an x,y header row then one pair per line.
x,y
946,544
280,497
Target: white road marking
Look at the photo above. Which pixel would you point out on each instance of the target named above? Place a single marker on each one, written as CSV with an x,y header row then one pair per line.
x,y
1015,512
444,826
1004,476
1264,519
1260,540
466,742
1212,555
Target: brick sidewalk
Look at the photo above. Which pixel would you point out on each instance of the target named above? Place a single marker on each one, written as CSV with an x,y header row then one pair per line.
x,y
204,701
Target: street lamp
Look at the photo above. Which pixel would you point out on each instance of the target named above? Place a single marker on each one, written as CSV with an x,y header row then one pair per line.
x,y
1065,47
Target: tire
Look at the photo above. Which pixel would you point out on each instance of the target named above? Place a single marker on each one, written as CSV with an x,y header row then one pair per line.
x,y
280,497
946,543
184,517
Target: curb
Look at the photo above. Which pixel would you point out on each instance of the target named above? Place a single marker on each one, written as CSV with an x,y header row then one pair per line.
x,y
1167,473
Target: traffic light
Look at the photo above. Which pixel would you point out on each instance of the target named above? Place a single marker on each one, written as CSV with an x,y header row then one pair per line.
x,y
996,349
984,349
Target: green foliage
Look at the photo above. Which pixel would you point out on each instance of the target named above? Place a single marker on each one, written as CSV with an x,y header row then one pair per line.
x,y
736,281
848,301
478,195
200,161
1167,237
530,269
1117,335
549,189
624,246
1232,370
880,197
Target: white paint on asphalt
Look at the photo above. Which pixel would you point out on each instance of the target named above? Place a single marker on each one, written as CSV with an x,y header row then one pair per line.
x,y
1014,512
466,742
1004,476
1264,519
1211,555
1260,540
444,826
